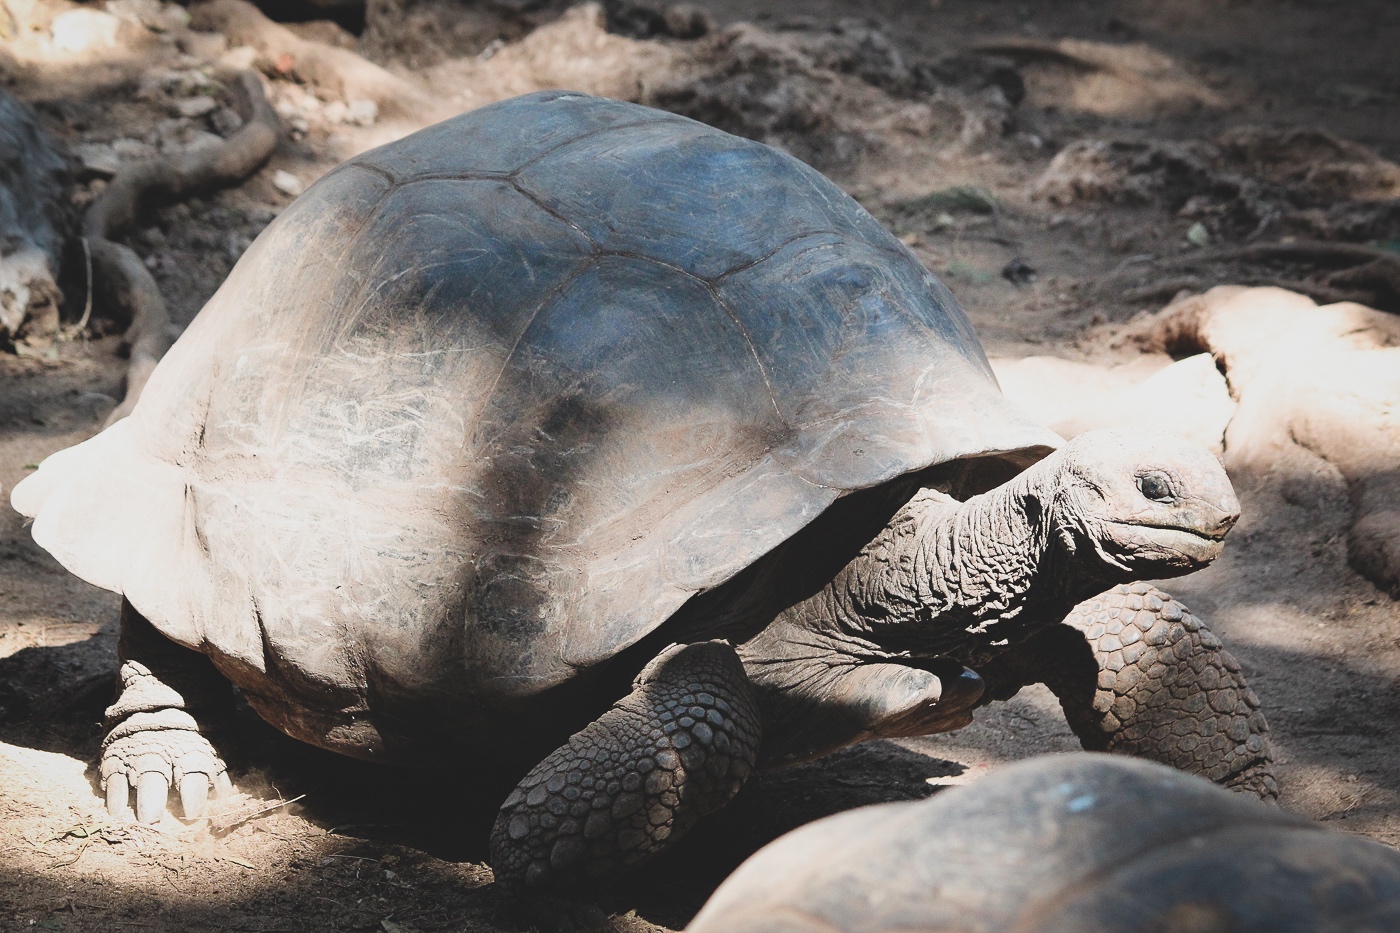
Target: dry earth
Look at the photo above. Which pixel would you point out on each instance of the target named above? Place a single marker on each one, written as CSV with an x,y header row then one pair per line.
x,y
1174,123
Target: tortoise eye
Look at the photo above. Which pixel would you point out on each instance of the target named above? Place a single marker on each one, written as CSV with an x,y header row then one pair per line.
x,y
1156,486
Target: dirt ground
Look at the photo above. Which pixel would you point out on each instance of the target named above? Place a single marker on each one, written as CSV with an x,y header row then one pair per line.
x,y
1063,189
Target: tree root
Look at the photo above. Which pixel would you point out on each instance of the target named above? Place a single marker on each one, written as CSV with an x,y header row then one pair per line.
x,y
337,72
122,275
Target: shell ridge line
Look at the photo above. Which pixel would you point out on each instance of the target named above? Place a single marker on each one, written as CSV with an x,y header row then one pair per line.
x,y
503,177
675,118
539,202
745,266
753,351
544,302
370,167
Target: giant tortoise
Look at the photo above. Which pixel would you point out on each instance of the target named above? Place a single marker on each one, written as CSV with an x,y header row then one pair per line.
x,y
574,434
1064,844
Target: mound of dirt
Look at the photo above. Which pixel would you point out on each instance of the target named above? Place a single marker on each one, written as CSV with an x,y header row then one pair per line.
x,y
1247,182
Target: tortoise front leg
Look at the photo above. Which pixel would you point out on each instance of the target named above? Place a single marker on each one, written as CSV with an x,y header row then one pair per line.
x,y
633,781
154,741
1137,673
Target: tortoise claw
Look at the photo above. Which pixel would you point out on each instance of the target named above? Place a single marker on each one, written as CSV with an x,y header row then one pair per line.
x,y
151,791
155,752
194,794
118,795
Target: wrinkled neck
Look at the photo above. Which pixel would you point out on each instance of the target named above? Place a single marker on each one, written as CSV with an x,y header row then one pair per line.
x,y
946,574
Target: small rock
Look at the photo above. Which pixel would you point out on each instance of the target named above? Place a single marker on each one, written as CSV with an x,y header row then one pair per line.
x,y
204,45
687,21
195,106
81,30
362,112
239,58
183,82
1019,272
225,121
152,14
1198,235
200,139
174,16
132,149
98,159
136,12
287,183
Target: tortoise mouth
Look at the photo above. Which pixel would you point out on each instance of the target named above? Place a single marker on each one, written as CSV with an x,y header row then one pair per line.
x,y
1217,534
1165,546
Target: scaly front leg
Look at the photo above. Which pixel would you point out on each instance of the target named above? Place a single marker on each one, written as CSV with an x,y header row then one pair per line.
x,y
154,742
1138,674
633,781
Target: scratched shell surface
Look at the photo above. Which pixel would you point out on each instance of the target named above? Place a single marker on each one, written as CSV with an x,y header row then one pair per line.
x,y
488,404
1064,844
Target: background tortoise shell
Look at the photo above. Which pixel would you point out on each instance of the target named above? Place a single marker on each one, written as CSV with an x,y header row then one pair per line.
x,y
1084,843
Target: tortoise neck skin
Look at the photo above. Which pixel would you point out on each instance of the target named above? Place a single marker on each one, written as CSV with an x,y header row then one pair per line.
x,y
946,578
964,580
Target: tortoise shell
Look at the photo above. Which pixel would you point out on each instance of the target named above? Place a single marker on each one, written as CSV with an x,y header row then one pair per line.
x,y
487,404
1064,844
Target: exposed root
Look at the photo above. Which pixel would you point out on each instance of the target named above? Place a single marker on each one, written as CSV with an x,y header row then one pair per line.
x,y
1315,386
334,71
121,274
1104,78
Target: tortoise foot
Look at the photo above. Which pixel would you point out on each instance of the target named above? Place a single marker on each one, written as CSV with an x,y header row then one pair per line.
x,y
1161,686
630,783
154,746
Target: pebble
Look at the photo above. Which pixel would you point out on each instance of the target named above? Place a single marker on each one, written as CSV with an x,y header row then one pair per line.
x,y
129,149
287,183
239,57
199,139
99,159
81,30
226,121
196,106
362,113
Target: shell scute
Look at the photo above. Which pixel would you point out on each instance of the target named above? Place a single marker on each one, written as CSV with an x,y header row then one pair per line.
x,y
703,201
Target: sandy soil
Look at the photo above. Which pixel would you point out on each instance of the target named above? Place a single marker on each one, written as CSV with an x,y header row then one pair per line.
x,y
365,849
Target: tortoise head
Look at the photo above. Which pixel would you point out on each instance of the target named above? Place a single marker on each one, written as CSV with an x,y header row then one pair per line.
x,y
1149,505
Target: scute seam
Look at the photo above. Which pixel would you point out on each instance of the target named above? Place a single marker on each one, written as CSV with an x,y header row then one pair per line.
x,y
600,130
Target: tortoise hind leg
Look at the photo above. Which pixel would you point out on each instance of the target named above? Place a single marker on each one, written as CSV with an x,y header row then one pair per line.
x,y
154,742
1138,674
630,783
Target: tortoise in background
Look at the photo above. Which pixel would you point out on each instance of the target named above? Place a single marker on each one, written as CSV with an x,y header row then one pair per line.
x,y
1064,844
570,424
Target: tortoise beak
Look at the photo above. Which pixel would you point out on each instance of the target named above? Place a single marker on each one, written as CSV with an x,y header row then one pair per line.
x,y
1168,550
